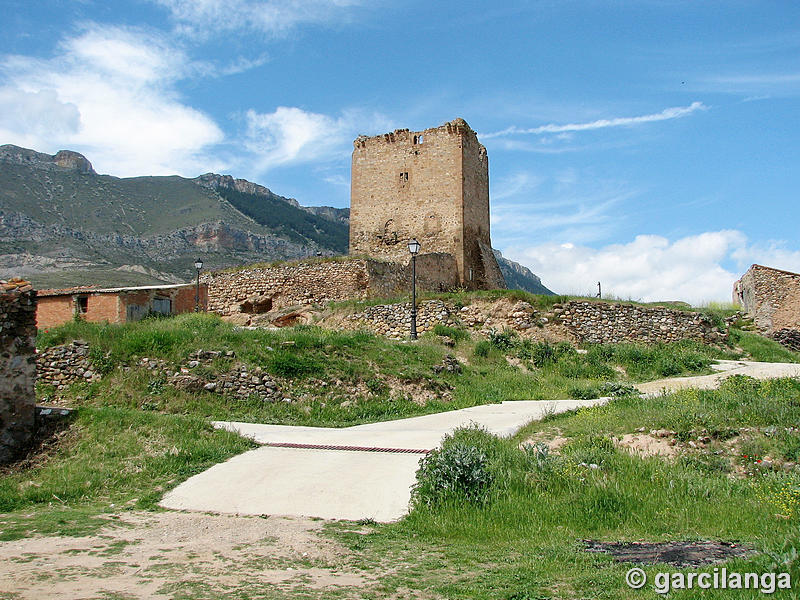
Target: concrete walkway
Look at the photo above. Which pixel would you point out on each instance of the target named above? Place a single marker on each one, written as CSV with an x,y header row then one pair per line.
x,y
726,368
367,471
338,483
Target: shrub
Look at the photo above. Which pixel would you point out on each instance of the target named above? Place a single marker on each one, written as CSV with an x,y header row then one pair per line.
x,y
583,392
503,340
617,390
482,349
458,470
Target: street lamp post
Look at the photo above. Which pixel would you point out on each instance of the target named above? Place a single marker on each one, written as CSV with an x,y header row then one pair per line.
x,y
198,264
413,248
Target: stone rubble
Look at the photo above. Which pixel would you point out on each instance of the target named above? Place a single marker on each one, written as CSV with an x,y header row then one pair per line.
x,y
61,366
788,338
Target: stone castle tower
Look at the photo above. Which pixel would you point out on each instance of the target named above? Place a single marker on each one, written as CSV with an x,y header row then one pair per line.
x,y
432,185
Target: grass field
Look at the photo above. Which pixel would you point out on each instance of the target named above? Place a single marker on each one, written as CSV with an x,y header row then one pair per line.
x,y
514,531
521,537
344,378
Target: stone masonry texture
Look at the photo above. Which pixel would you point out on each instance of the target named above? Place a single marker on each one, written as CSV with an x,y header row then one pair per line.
x,y
611,323
18,367
320,282
432,185
586,322
771,297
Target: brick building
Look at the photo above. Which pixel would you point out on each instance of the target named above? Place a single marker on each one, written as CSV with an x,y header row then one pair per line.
x,y
432,185
116,305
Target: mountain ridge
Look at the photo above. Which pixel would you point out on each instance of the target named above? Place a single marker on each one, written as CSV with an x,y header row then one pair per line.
x,y
63,224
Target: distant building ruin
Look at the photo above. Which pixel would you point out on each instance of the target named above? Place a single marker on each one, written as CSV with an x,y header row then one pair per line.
x,y
771,297
116,305
432,185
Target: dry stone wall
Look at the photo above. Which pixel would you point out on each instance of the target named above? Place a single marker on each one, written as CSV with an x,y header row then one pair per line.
x,y
394,320
61,366
608,323
18,367
286,285
578,322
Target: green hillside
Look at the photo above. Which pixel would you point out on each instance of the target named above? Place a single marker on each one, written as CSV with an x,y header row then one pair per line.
x,y
275,213
105,204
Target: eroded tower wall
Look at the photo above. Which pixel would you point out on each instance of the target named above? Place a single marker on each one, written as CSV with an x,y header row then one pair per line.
x,y
432,185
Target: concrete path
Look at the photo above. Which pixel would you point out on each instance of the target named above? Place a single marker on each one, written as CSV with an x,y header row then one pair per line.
x,y
726,368
339,483
367,471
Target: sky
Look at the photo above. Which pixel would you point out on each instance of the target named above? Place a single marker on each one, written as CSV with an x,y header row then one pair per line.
x,y
651,145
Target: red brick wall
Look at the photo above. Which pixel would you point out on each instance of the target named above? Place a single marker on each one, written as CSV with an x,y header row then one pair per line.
x,y
102,307
183,301
52,311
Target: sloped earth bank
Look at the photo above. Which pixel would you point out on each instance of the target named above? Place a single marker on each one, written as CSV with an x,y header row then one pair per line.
x,y
183,555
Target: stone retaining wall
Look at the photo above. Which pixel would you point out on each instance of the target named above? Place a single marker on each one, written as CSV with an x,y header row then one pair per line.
x,y
60,366
17,367
394,320
607,323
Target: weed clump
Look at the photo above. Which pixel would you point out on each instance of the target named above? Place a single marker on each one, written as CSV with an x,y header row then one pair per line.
x,y
457,334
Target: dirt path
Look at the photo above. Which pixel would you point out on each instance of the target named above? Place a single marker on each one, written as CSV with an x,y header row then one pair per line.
x,y
176,554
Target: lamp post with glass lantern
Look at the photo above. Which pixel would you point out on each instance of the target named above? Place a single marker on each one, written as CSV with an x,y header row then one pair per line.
x,y
413,248
198,264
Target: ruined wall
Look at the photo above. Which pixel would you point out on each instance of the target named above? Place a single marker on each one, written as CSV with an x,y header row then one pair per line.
x,y
771,297
576,321
288,284
432,185
59,366
319,282
607,323
18,367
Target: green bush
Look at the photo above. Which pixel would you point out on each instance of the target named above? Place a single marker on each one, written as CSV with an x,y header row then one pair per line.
x,y
482,349
503,340
458,470
579,392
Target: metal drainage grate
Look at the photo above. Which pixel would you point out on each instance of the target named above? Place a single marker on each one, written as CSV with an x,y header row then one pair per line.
x,y
347,448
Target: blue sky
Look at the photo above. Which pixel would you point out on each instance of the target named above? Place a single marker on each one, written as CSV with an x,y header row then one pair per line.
x,y
648,144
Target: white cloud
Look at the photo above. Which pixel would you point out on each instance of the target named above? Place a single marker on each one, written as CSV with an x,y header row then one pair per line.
x,y
109,93
675,112
204,18
291,135
652,267
28,117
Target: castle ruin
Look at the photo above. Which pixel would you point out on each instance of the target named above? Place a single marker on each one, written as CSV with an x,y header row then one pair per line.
x,y
432,185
